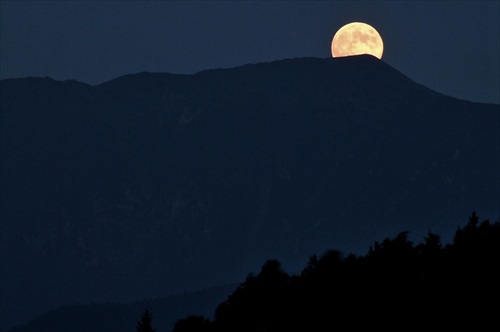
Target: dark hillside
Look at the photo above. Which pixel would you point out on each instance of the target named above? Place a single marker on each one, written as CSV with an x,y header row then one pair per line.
x,y
395,286
154,183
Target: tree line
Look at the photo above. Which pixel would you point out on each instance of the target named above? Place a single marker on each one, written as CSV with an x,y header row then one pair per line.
x,y
395,286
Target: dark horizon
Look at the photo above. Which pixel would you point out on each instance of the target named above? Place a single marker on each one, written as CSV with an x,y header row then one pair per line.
x,y
438,44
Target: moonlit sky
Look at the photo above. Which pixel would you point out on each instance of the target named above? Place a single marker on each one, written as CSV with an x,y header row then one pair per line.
x,y
452,47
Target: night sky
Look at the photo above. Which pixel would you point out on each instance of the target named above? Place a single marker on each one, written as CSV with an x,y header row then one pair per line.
x,y
452,47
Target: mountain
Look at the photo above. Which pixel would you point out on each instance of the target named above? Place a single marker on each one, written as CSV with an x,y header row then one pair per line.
x,y
155,183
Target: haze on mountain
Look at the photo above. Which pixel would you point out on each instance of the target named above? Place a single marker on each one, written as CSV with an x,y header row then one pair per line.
x,y
156,183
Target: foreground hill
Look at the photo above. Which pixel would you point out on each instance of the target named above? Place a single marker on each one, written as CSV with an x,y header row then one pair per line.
x,y
154,183
395,285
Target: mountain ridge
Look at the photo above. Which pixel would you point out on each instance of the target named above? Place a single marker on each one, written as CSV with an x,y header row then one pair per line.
x,y
134,76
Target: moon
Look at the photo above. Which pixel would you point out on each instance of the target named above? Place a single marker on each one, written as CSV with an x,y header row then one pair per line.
x,y
357,38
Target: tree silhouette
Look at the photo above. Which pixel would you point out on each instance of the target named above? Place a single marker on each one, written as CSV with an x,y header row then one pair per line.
x,y
144,325
257,303
431,286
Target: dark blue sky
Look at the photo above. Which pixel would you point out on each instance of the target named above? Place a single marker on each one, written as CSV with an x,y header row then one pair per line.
x,y
452,47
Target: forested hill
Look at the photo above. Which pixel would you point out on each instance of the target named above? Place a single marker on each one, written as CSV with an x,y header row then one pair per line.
x,y
396,286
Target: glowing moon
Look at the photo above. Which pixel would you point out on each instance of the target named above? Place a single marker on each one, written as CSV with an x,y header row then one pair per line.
x,y
357,38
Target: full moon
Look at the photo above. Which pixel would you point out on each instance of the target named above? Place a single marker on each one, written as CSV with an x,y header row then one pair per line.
x,y
357,38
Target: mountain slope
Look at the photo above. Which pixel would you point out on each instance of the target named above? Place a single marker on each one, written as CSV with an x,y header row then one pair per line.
x,y
151,183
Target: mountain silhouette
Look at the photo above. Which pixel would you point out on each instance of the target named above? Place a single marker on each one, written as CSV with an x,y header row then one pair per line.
x,y
153,183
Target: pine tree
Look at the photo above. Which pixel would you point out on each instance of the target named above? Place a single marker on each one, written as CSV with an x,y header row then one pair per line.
x,y
144,325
